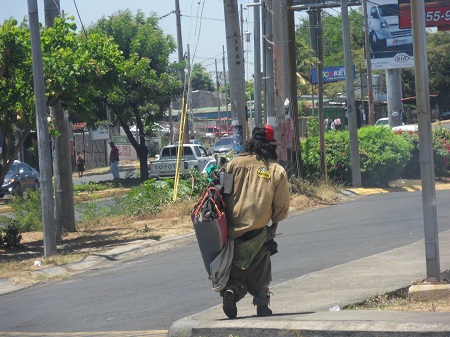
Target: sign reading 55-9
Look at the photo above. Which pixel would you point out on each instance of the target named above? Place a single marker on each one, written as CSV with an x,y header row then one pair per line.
x,y
438,17
437,13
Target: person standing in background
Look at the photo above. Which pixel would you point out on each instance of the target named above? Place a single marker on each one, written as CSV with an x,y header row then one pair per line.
x,y
80,165
114,161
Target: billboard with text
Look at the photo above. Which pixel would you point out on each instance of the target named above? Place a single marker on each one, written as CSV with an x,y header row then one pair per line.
x,y
391,47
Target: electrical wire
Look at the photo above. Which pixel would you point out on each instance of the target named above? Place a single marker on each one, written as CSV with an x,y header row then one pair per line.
x,y
79,17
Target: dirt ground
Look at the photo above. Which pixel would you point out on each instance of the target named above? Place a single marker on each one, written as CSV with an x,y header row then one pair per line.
x,y
99,236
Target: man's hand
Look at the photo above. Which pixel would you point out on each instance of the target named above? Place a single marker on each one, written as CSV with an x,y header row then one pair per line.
x,y
271,230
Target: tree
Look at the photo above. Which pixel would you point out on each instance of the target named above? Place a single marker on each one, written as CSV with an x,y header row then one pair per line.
x,y
200,79
148,82
17,114
77,69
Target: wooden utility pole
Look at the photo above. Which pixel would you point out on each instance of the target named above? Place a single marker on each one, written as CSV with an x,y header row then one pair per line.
x,y
45,169
64,202
236,73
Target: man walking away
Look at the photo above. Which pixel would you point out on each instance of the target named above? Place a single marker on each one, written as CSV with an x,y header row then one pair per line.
x,y
260,195
114,160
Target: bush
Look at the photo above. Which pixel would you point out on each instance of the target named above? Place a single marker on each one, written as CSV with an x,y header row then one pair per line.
x,y
441,153
28,211
9,233
152,195
383,156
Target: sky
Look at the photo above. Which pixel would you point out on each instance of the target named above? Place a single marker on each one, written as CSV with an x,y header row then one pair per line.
x,y
203,25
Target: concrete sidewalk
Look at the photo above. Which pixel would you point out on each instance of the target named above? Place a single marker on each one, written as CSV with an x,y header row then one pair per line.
x,y
302,307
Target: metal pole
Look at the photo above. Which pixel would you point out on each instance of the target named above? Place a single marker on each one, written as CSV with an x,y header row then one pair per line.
x,y
236,72
218,101
351,109
225,89
45,169
425,141
323,166
257,62
394,96
368,66
180,59
264,61
269,94
293,107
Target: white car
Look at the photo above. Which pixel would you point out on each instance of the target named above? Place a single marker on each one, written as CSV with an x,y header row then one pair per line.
x,y
406,128
382,121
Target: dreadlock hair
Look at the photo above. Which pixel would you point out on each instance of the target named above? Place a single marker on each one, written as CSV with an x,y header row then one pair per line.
x,y
261,149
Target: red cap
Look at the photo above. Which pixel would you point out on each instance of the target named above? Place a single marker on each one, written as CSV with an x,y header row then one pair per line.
x,y
264,133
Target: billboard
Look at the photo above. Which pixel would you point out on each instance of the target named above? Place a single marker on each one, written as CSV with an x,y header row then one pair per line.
x,y
437,13
331,74
391,47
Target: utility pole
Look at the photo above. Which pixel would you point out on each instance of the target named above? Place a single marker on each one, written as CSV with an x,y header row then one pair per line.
x,y
45,170
218,99
180,59
257,62
279,88
64,202
368,65
225,89
269,106
425,141
316,44
292,80
236,71
189,97
323,161
394,96
351,109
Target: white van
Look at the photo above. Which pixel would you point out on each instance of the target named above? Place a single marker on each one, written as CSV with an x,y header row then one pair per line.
x,y
384,28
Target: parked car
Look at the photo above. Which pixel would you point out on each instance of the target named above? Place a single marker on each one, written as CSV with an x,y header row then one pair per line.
x,y
382,121
20,176
406,128
193,141
222,145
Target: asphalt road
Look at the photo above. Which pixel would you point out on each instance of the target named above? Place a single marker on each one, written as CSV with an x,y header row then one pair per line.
x,y
153,291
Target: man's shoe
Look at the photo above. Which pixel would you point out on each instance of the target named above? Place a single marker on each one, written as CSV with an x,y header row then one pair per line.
x,y
229,304
263,310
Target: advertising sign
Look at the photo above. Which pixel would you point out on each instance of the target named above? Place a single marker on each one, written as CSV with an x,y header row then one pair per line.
x,y
437,13
101,133
126,150
331,74
390,46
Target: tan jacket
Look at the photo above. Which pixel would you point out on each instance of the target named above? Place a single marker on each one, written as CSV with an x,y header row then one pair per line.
x,y
260,194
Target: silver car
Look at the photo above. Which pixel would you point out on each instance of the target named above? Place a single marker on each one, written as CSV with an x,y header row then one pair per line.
x,y
222,145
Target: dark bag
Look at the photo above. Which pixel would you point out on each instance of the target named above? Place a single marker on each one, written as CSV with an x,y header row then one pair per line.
x,y
210,224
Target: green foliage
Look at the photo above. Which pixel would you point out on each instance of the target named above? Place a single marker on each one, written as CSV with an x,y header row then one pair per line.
x,y
27,211
91,186
441,153
383,156
153,195
9,232
200,78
